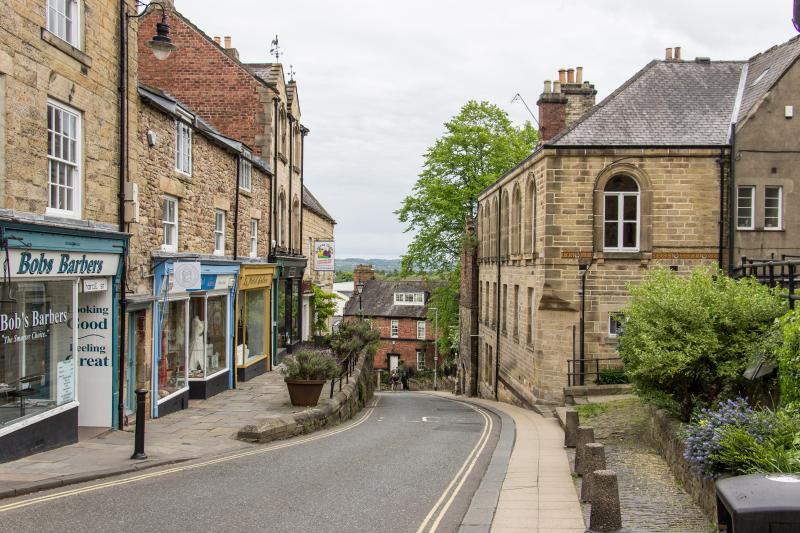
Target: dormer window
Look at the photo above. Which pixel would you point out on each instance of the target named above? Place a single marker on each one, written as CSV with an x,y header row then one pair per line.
x,y
409,298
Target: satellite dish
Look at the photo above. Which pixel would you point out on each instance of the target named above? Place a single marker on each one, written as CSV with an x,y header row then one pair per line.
x,y
187,276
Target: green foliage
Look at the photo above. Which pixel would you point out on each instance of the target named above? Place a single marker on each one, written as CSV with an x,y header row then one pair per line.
x,y
789,359
589,410
445,299
354,336
324,308
479,144
310,364
691,338
342,276
612,377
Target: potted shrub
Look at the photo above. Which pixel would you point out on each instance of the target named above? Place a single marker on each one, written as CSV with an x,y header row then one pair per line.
x,y
306,373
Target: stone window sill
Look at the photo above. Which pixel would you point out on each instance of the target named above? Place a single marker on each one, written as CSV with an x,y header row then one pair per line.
x,y
64,46
245,192
623,255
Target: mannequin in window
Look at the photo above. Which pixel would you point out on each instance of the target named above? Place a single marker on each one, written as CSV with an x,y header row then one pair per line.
x,y
196,344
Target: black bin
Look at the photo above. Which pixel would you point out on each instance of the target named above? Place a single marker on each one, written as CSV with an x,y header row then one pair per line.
x,y
759,503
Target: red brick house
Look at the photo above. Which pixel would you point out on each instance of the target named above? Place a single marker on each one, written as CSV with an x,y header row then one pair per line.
x,y
398,309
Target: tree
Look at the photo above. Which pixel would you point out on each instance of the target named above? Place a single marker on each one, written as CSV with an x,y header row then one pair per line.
x,y
324,308
479,145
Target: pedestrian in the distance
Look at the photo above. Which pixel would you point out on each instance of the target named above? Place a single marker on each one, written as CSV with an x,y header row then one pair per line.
x,y
403,375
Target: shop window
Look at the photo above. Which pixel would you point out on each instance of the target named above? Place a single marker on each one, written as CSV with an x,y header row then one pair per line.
x,y
169,221
63,160
173,360
745,198
219,232
208,352
253,237
421,329
773,208
621,214
183,147
252,326
37,370
420,359
281,318
63,20
394,329
246,171
295,318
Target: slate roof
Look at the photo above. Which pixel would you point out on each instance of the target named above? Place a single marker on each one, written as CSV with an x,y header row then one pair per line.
x,y
667,103
377,299
764,70
268,72
311,203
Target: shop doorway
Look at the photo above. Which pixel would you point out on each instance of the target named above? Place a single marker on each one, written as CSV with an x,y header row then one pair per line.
x,y
306,317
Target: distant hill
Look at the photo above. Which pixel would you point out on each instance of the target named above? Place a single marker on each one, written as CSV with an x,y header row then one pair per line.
x,y
347,264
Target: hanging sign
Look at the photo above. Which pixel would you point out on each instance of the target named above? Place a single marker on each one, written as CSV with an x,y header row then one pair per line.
x,y
323,256
187,276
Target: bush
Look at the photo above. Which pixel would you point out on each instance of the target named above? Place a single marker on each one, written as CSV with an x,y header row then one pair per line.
x,y
789,359
310,364
612,377
690,339
354,336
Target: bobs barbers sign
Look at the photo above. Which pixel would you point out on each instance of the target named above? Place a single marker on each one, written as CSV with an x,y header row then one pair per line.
x,y
39,264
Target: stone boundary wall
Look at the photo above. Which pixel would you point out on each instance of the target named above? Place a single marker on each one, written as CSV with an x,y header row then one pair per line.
x,y
664,434
329,412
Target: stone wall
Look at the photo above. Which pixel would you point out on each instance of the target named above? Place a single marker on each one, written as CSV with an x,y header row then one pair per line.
x,y
316,228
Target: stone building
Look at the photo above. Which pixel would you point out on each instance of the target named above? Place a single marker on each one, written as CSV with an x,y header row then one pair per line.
x,y
689,162
255,104
61,165
317,229
398,309
197,207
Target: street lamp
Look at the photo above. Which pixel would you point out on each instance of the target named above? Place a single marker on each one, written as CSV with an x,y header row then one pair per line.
x,y
160,44
435,345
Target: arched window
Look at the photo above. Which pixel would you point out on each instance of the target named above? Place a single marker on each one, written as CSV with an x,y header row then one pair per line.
x,y
530,217
504,225
281,230
493,226
621,213
516,220
296,224
284,131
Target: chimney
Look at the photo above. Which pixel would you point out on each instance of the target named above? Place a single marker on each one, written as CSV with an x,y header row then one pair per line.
x,y
567,102
677,53
361,275
668,55
579,75
571,75
230,50
227,41
548,88
218,40
562,75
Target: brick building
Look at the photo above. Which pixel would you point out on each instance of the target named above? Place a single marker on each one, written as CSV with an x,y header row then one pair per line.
x,y
398,309
61,166
200,201
256,105
317,228
687,163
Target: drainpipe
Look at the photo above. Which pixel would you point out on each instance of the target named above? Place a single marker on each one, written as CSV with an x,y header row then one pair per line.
x,y
236,209
291,179
721,162
732,199
274,188
303,133
123,162
497,299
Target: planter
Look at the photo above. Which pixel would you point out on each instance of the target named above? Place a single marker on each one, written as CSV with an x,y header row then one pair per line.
x,y
303,392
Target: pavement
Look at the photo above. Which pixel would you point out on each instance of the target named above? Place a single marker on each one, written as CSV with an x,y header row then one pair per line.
x,y
206,428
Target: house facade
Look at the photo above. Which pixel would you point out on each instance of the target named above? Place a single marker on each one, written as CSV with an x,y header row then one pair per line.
x,y
61,167
317,230
676,168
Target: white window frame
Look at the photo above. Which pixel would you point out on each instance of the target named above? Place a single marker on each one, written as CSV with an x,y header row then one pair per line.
x,y
67,28
219,232
253,237
421,330
183,147
71,161
409,298
165,223
394,329
620,220
420,353
779,215
246,171
752,216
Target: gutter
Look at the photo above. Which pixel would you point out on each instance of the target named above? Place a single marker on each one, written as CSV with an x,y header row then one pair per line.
x,y
291,179
721,162
236,210
732,199
273,193
303,133
123,169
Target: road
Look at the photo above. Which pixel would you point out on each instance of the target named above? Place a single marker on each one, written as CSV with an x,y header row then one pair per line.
x,y
410,463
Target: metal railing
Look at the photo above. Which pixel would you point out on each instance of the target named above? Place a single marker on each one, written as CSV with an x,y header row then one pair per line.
x,y
781,272
578,370
346,368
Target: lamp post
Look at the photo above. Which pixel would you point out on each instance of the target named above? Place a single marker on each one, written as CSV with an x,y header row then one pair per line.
x,y
435,345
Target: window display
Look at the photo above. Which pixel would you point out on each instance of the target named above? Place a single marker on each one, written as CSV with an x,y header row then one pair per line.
x,y
172,364
207,324
255,323
37,369
295,296
281,318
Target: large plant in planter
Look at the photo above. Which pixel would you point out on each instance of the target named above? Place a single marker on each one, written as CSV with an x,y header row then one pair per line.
x,y
306,372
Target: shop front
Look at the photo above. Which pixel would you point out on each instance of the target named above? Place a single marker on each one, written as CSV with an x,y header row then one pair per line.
x,y
253,320
193,331
288,298
58,322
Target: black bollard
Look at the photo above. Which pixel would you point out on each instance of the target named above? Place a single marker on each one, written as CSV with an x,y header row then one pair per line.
x,y
138,447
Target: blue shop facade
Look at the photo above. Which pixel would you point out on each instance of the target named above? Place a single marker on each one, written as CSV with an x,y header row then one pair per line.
x,y
59,323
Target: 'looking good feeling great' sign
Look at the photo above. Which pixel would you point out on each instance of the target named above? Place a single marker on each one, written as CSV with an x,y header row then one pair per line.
x,y
38,264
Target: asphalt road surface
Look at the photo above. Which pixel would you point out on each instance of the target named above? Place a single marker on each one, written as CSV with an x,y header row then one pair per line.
x,y
411,463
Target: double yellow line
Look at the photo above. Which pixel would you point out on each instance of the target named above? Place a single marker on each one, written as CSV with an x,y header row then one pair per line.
x,y
439,510
174,470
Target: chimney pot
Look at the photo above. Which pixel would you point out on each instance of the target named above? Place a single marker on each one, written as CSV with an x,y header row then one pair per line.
x,y
227,41
668,54
562,75
677,53
571,75
548,88
217,40
579,75
556,86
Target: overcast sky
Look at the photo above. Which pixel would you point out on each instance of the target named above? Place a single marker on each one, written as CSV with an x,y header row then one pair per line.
x,y
377,79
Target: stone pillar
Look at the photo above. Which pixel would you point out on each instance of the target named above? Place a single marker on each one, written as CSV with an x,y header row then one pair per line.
x,y
605,514
585,436
571,429
468,314
595,459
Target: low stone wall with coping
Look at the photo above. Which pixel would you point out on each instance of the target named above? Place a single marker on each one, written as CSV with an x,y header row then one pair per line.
x,y
353,397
